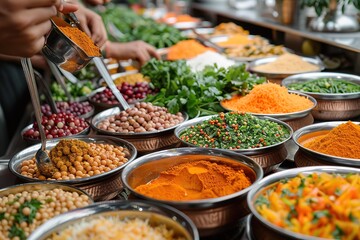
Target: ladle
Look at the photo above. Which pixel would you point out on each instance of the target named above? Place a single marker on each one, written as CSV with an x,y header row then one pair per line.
x,y
43,160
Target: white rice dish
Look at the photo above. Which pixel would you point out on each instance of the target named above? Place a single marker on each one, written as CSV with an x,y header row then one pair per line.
x,y
199,62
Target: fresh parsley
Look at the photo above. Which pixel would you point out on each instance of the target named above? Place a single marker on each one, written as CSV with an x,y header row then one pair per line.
x,y
16,231
34,206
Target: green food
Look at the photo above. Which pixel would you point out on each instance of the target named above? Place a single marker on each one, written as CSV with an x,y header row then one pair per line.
x,y
195,93
16,231
76,90
34,205
235,130
326,85
134,27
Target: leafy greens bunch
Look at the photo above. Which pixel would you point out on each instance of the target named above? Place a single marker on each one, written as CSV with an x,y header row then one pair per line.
x,y
196,93
320,5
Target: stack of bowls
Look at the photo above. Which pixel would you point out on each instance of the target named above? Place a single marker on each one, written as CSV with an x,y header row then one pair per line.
x,y
145,142
156,214
103,186
210,215
268,157
331,106
308,157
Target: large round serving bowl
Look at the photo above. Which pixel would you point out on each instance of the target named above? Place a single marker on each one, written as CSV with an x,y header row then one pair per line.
x,y
268,157
277,77
295,120
145,142
104,186
155,213
308,133
331,106
262,229
209,215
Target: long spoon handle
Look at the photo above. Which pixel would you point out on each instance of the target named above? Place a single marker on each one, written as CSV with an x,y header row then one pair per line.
x,y
30,79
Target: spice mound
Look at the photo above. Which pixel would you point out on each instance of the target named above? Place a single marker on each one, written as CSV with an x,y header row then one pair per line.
x,y
235,130
186,49
196,180
143,117
319,204
342,141
80,38
287,63
21,213
268,98
114,228
78,159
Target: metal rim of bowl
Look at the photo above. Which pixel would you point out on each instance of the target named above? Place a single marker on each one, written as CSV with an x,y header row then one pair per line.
x,y
34,141
28,153
273,178
46,185
305,77
328,158
199,120
286,116
113,111
259,62
177,152
97,209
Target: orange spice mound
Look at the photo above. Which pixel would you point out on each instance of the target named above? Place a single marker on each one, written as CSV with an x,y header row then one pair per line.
x,y
268,98
342,141
186,49
81,39
196,180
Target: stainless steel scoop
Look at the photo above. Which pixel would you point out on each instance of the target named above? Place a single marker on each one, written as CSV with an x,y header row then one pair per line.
x,y
43,160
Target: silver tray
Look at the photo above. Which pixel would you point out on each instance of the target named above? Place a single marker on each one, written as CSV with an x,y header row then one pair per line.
x,y
286,116
270,230
299,78
29,153
328,158
34,141
140,209
255,63
252,151
113,111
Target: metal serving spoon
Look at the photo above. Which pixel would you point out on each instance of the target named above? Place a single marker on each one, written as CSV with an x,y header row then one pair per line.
x,y
43,161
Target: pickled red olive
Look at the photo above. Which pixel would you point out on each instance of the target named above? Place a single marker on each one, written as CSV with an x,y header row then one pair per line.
x,y
143,117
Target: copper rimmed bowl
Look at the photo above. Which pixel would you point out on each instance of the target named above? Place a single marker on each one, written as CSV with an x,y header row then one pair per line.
x,y
145,142
261,228
308,133
296,120
209,215
103,186
277,77
155,213
330,107
268,157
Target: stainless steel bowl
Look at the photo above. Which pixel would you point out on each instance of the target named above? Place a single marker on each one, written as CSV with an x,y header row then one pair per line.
x,y
62,51
34,141
155,212
331,107
145,142
209,215
281,75
263,229
269,157
103,186
317,155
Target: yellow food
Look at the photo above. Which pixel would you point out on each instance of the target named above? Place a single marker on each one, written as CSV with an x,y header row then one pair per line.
x,y
229,29
240,39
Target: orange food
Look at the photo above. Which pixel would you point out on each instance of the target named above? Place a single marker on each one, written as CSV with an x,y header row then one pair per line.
x,y
186,49
172,18
268,98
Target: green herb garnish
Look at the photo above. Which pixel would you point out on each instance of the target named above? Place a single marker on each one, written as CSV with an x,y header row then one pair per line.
x,y
16,231
34,205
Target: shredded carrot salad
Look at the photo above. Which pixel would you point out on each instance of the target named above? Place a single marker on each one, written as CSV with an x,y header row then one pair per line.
x,y
320,204
268,98
186,49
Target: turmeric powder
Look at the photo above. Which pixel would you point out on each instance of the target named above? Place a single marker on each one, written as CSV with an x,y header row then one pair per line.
x,y
196,180
342,141
268,98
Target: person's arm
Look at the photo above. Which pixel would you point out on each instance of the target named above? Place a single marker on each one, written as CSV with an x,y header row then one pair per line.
x,y
137,50
24,24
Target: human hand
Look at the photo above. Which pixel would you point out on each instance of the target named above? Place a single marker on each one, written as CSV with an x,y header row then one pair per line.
x,y
137,50
24,24
96,2
93,25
